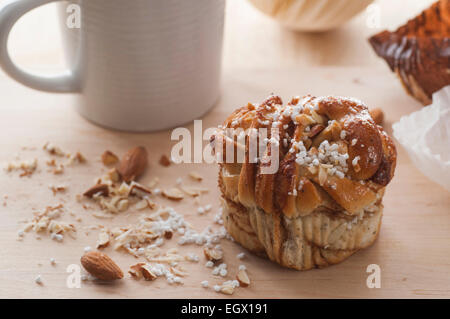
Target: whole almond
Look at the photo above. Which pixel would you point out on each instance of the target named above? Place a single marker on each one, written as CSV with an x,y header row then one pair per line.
x,y
377,115
133,164
101,266
101,189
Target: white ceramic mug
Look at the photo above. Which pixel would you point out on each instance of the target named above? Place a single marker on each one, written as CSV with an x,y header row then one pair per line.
x,y
139,65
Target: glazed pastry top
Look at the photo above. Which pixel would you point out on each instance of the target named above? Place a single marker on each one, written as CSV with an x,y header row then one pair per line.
x,y
329,153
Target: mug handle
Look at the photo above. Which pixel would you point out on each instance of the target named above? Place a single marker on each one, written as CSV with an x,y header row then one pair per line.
x,y
10,12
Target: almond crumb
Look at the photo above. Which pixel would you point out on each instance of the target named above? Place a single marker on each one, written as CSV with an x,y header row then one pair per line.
x,y
196,176
164,161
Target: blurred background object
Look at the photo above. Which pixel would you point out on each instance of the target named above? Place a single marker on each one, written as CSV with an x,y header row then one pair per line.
x,y
425,134
311,15
252,40
419,51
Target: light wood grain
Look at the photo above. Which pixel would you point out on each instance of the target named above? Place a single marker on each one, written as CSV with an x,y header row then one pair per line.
x,y
412,250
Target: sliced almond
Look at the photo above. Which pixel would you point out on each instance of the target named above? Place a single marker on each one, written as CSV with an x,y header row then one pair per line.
x,y
173,194
242,277
109,158
194,191
133,164
213,254
164,161
101,266
101,189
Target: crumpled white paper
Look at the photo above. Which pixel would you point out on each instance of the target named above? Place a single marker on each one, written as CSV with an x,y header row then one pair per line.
x,y
425,134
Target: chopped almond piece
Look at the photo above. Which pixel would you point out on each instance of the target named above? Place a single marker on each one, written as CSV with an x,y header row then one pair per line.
x,y
77,158
136,270
56,189
113,175
58,169
227,290
213,254
103,239
139,190
109,158
168,234
147,272
243,279
53,150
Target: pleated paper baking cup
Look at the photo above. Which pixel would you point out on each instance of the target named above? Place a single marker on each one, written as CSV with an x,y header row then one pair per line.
x,y
425,135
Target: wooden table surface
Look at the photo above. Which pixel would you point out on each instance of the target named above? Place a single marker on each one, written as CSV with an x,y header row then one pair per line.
x,y
414,244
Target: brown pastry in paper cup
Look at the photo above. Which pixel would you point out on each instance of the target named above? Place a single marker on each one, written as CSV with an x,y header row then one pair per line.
x,y
323,201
